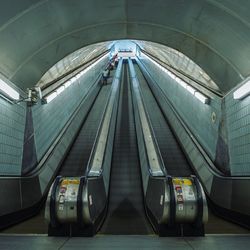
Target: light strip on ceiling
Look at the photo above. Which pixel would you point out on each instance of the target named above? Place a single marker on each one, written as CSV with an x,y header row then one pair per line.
x,y
204,99
242,91
9,91
69,82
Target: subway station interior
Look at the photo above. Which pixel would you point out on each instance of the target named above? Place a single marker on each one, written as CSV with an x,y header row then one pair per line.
x,y
124,124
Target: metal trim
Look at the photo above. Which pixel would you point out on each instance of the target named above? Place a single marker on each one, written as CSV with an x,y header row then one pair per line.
x,y
52,207
79,205
199,217
172,203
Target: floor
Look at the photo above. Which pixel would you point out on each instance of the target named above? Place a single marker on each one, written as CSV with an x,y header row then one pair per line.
x,y
125,242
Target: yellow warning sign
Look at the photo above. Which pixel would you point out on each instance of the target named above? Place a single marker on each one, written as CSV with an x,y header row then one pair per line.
x,y
187,182
70,181
178,181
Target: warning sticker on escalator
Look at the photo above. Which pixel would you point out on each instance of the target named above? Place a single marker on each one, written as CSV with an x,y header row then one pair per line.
x,y
178,181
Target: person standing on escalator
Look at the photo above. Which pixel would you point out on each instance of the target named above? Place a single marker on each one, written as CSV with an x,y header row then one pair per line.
x,y
105,75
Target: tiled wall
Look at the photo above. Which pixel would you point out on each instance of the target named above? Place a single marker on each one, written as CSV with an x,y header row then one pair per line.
x,y
238,125
49,119
12,124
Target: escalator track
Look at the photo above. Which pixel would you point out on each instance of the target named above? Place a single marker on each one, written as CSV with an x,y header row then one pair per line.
x,y
126,213
76,161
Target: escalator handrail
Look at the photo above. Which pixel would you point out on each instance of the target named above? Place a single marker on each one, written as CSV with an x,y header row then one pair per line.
x,y
133,76
90,165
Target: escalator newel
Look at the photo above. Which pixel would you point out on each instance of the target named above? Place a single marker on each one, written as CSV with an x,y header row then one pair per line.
x,y
75,205
176,206
62,207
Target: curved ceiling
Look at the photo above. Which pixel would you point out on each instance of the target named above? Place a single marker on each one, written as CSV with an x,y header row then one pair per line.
x,y
34,35
179,62
71,62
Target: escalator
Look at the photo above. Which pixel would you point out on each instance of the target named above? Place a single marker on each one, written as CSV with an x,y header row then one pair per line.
x,y
171,153
75,162
174,159
126,213
125,210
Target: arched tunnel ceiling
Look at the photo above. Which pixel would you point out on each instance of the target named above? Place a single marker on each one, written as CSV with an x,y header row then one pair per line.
x,y
73,61
34,35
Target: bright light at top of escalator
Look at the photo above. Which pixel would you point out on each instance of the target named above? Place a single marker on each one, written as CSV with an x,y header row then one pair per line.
x,y
50,97
242,91
124,49
8,90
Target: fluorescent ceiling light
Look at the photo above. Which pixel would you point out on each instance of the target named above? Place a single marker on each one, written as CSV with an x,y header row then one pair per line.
x,y
193,91
190,89
201,97
75,58
67,84
60,90
9,90
181,82
243,91
51,97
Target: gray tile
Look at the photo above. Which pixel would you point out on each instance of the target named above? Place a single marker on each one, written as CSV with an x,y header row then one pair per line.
x,y
126,242
220,242
30,242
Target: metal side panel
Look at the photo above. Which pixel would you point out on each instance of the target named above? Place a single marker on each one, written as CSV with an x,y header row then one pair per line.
x,y
157,200
10,193
97,199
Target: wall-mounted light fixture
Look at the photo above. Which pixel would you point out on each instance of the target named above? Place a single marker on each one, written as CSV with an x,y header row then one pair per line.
x,y
242,91
204,99
69,82
8,91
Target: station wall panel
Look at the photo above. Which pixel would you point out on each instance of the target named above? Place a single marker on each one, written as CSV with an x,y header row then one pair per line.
x,y
12,125
238,117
